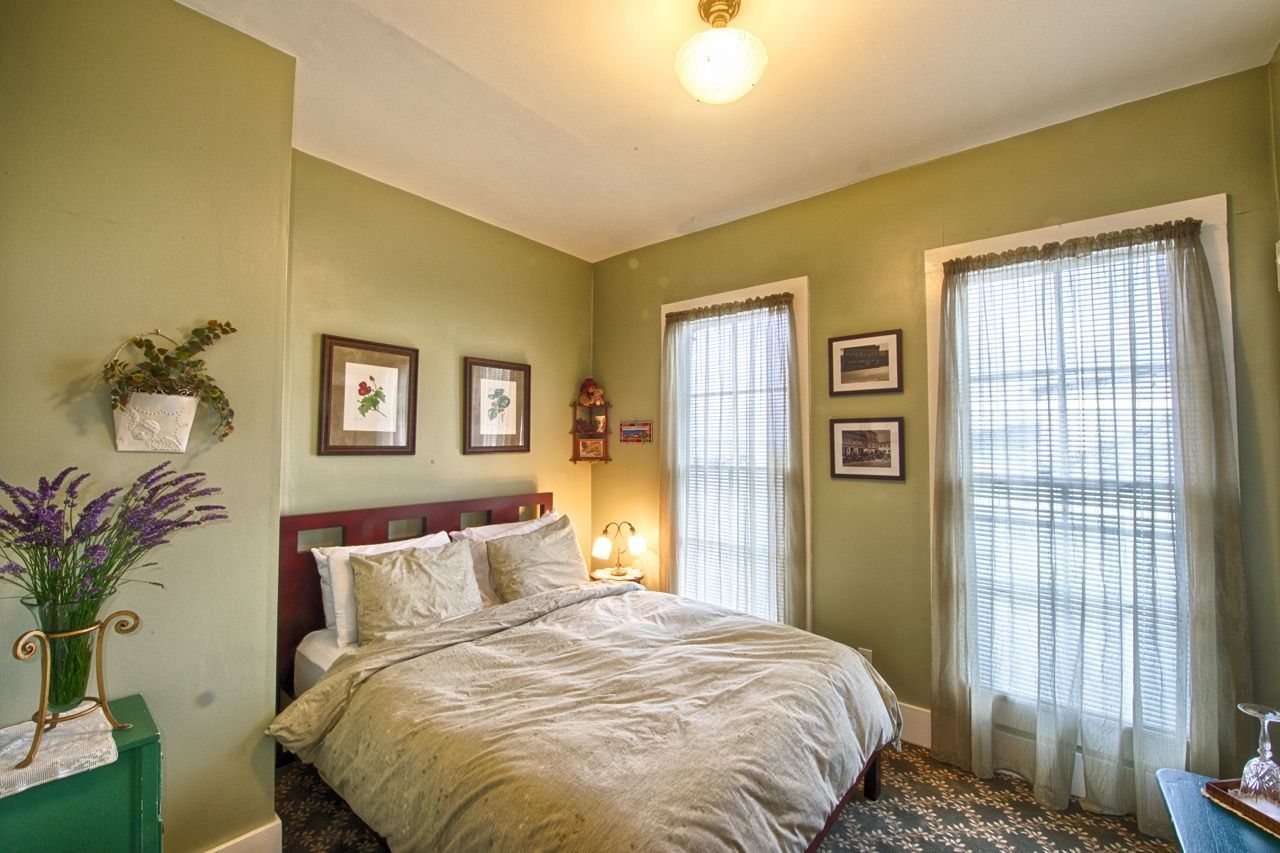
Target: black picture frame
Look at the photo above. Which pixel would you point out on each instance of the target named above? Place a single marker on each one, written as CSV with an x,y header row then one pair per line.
x,y
867,449
368,398
488,425
867,363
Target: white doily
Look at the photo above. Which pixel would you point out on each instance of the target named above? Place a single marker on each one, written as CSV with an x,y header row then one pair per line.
x,y
73,747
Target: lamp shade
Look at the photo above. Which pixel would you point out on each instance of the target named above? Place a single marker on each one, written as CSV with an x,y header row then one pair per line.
x,y
602,548
720,65
635,543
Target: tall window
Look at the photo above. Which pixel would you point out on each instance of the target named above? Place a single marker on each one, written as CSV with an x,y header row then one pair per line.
x,y
1073,490
1086,516
733,496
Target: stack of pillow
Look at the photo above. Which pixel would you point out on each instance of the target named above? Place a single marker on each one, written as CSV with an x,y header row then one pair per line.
x,y
372,591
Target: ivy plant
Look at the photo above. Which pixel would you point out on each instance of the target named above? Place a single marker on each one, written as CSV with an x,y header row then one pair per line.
x,y
173,371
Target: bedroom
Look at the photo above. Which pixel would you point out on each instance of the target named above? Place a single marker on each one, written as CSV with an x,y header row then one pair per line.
x,y
152,181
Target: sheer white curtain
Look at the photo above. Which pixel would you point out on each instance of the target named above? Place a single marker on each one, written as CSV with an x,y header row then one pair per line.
x,y
732,506
1088,590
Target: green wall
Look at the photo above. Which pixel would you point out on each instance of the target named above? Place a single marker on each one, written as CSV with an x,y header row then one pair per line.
x,y
145,183
1274,69
371,262
862,248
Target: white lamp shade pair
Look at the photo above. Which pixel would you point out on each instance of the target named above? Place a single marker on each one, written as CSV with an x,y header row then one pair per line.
x,y
603,546
720,65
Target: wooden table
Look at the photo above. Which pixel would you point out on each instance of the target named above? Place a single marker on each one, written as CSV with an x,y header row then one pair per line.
x,y
1203,827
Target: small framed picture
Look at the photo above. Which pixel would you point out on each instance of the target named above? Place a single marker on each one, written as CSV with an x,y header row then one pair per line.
x,y
636,432
495,412
860,364
591,448
867,448
368,397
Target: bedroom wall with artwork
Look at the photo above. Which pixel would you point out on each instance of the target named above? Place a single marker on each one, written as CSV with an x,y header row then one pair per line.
x,y
862,249
371,262
147,185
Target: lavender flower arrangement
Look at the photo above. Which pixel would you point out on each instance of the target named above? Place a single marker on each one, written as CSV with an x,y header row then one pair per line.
x,y
58,557
69,560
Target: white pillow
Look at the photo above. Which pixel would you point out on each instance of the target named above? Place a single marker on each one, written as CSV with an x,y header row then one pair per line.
x,y
479,536
337,585
412,588
528,563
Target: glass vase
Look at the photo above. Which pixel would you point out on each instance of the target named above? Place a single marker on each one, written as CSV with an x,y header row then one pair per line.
x,y
69,657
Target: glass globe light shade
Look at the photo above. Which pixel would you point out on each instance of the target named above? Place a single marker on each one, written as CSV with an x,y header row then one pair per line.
x,y
602,548
635,543
720,65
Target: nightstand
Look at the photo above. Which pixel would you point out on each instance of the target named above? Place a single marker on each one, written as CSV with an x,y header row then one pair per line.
x,y
606,574
113,807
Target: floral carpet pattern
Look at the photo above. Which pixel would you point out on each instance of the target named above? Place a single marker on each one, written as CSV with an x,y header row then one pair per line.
x,y
924,806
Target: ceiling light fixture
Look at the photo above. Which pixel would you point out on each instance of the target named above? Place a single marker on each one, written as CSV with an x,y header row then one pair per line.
x,y
720,65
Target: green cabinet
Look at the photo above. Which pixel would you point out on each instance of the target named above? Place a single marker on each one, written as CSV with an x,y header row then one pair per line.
x,y
115,807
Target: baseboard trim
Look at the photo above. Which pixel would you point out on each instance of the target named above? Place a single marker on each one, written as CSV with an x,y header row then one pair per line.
x,y
915,725
265,839
916,729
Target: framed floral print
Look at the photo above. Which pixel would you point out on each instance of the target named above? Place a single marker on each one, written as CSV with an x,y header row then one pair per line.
x,y
495,413
368,397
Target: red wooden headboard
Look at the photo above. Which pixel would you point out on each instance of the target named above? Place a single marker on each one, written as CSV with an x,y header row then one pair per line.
x,y
298,608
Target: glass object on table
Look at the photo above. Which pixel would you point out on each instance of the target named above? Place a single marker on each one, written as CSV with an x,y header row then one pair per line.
x,y
1260,778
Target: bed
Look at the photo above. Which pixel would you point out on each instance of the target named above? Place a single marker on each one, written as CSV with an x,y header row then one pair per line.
x,y
590,716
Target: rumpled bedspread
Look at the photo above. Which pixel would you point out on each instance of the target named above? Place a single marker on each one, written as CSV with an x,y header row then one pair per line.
x,y
600,717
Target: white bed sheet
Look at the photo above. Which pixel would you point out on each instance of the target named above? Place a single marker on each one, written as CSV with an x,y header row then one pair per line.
x,y
315,654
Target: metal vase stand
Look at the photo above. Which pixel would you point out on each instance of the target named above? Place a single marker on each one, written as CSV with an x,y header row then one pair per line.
x,y
25,648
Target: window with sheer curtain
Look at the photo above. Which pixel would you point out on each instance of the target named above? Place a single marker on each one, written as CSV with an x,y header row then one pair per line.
x,y
732,496
1087,577
1073,492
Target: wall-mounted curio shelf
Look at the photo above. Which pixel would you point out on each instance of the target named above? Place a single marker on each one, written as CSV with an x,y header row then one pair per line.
x,y
590,424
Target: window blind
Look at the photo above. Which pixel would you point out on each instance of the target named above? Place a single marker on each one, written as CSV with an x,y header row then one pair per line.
x,y
1078,586
730,382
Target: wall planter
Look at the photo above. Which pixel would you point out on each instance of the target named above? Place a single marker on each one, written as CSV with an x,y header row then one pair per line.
x,y
159,423
154,399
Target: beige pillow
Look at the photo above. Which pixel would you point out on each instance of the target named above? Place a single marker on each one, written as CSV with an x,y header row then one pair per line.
x,y
537,561
412,587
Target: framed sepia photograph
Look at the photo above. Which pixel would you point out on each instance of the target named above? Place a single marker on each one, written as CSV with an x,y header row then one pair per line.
x,y
860,364
591,448
368,397
868,448
495,411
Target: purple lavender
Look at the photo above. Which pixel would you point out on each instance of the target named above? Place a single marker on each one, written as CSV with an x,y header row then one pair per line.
x,y
61,556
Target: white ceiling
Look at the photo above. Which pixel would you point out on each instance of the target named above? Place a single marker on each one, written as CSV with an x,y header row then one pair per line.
x,y
562,120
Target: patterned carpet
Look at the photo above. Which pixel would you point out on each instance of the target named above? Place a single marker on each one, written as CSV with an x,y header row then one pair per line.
x,y
924,806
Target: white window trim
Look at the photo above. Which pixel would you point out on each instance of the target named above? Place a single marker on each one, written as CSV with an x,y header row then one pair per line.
x,y
799,288
1212,213
1210,210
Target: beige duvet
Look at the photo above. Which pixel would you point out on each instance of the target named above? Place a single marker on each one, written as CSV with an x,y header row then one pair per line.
x,y
594,718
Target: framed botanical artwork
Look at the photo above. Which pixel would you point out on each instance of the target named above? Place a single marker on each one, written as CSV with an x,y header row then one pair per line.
x,y
859,364
636,432
495,412
368,397
868,448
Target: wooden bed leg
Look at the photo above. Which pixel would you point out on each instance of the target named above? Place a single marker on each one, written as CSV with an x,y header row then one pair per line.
x,y
871,780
